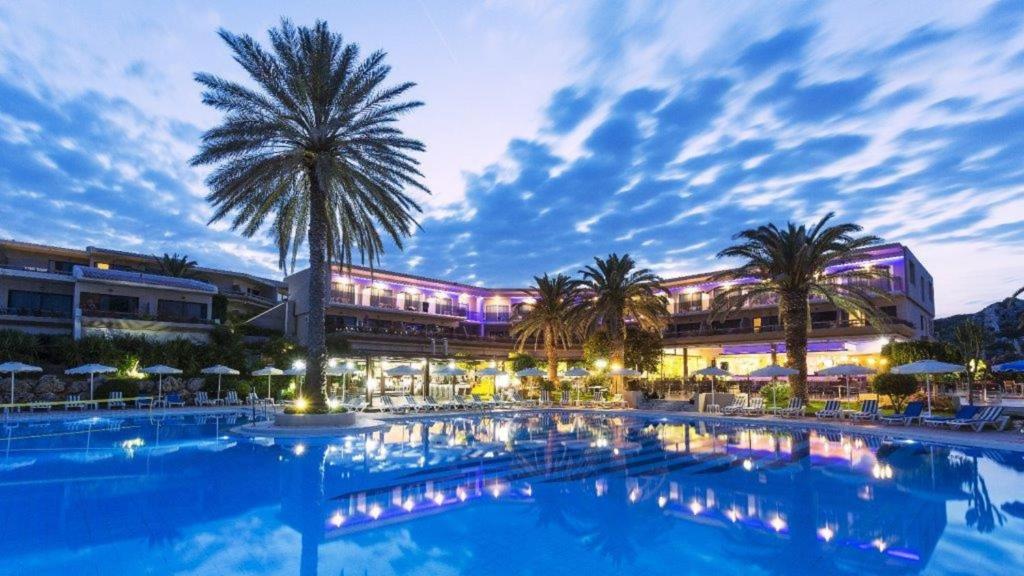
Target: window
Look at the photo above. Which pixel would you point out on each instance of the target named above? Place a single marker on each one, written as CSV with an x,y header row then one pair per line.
x,y
911,272
412,301
180,310
690,301
496,313
382,298
62,267
22,301
92,302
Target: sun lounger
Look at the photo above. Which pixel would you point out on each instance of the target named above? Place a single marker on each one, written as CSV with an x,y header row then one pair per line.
x,y
987,416
116,400
253,399
74,402
203,399
868,411
435,405
912,412
232,399
963,413
144,402
479,400
795,409
832,409
754,407
737,406
33,406
173,400
356,404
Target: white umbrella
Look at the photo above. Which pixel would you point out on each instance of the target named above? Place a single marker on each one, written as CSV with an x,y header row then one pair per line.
x,y
490,371
531,372
219,370
773,371
846,370
268,371
714,372
160,370
929,367
575,374
343,371
450,371
403,370
92,370
17,368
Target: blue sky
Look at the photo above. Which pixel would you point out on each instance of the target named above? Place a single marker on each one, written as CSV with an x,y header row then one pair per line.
x,y
557,131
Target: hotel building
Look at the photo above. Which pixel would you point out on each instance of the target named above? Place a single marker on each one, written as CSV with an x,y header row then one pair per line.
x,y
383,314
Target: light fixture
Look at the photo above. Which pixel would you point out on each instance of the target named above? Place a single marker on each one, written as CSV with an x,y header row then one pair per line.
x,y
600,363
301,404
696,507
299,365
777,523
375,511
826,533
299,449
439,498
337,520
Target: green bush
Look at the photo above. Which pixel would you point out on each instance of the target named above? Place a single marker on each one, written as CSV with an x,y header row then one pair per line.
x,y
898,387
18,346
128,387
781,390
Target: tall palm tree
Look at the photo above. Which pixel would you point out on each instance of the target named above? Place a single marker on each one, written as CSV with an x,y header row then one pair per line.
x,y
552,319
312,154
621,294
1016,294
177,266
792,263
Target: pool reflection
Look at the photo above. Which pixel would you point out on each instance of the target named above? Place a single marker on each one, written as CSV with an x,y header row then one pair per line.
x,y
511,495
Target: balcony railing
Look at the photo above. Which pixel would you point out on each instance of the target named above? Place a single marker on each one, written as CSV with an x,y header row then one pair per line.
x,y
497,316
446,310
771,328
117,315
384,302
426,334
343,298
34,312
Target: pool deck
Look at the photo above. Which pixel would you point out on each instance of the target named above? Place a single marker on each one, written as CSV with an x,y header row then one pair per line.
x,y
1006,440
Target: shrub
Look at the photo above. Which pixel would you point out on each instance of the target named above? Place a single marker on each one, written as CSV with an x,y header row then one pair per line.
x,y
898,387
17,346
781,390
128,387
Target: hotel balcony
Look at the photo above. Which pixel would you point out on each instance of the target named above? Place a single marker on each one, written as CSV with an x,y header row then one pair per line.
x,y
349,299
683,307
748,332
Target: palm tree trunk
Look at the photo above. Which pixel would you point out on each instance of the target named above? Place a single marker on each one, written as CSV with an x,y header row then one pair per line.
x,y
795,314
316,357
618,360
552,354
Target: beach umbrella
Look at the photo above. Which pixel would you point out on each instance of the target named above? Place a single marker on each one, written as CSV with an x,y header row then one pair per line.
x,y
403,370
17,368
846,371
268,371
343,370
1015,366
491,371
451,371
220,370
575,374
773,371
714,372
531,373
92,370
160,370
928,368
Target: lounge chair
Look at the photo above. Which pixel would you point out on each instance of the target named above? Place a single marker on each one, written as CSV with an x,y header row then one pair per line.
x,y
253,399
545,398
434,404
33,406
987,416
912,412
520,401
356,404
737,406
468,402
232,399
616,401
74,402
116,400
416,405
388,404
868,411
965,412
479,400
144,402
795,409
203,399
754,407
832,409
173,400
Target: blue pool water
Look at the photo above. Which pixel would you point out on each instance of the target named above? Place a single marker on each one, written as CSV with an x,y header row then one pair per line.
x,y
530,494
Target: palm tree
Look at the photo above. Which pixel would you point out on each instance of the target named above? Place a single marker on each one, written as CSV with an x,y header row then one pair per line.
x,y
552,318
792,263
312,154
1015,295
621,295
176,266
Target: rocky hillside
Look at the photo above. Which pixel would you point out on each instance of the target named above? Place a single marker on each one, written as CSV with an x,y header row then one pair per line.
x,y
1002,319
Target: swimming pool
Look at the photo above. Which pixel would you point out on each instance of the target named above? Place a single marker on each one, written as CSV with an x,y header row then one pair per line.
x,y
539,493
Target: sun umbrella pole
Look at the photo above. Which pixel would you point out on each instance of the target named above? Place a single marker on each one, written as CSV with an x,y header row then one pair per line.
x,y
92,385
218,386
268,386
12,387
